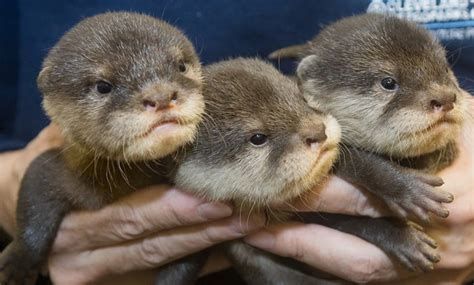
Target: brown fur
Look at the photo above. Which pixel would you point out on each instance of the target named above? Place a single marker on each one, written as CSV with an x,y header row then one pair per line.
x,y
340,72
113,139
223,165
139,56
345,70
244,97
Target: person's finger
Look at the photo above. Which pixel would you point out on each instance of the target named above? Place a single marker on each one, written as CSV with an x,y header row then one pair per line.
x,y
329,250
339,196
146,211
152,251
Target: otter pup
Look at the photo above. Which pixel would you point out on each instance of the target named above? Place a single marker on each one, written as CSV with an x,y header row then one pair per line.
x,y
125,89
388,83
259,145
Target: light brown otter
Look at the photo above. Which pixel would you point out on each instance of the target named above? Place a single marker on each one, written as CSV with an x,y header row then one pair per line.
x,y
259,145
388,83
126,89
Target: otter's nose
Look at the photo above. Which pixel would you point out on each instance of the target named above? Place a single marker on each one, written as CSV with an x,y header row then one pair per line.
x,y
160,101
314,134
443,103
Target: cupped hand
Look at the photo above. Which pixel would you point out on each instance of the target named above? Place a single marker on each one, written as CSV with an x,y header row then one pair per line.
x,y
145,230
343,255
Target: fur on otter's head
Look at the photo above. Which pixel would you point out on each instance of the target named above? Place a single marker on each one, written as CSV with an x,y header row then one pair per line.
x,y
388,83
260,142
124,86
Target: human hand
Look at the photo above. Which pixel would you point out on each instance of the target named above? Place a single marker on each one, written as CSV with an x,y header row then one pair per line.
x,y
14,165
353,259
145,230
89,244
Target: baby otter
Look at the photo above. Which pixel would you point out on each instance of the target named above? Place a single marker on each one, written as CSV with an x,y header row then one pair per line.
x,y
388,83
259,145
126,89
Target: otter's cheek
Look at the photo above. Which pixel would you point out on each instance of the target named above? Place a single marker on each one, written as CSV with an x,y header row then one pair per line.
x,y
192,109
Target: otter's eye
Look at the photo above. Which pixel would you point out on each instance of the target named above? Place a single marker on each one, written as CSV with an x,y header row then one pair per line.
x,y
182,66
103,87
258,139
389,83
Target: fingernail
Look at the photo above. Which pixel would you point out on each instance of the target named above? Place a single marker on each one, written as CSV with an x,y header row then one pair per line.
x,y
263,239
214,211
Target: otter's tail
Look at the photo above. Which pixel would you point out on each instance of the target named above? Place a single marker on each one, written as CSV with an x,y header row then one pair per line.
x,y
288,52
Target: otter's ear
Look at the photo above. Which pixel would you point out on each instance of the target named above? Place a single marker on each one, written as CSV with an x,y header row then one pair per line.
x,y
43,77
306,67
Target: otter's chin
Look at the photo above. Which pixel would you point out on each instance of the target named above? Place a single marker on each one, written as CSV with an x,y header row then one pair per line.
x,y
161,141
427,140
314,177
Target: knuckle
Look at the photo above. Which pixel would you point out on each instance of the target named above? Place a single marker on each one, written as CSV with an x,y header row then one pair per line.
x,y
210,237
173,214
299,252
296,247
130,222
153,253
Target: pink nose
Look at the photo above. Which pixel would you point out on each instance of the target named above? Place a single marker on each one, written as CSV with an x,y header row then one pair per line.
x,y
158,102
443,104
314,134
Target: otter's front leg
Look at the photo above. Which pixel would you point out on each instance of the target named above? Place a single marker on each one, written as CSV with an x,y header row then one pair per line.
x,y
406,191
48,191
184,271
258,267
406,242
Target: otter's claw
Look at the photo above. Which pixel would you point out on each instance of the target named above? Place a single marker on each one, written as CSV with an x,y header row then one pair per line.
x,y
416,250
418,196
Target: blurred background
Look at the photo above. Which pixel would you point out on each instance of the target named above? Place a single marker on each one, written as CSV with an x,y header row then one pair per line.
x,y
219,29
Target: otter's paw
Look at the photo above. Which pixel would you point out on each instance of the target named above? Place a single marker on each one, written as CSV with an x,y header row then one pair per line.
x,y
418,196
416,250
14,269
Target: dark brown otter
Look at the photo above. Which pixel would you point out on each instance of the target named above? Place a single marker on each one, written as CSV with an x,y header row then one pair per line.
x,y
126,90
259,145
388,83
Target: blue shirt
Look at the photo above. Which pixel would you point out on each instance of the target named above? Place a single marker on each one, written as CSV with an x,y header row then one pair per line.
x,y
218,28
